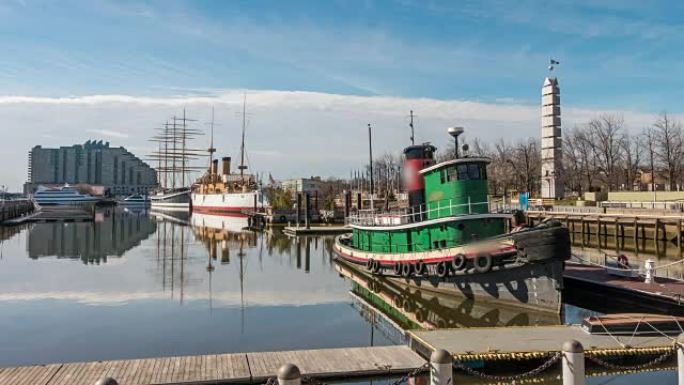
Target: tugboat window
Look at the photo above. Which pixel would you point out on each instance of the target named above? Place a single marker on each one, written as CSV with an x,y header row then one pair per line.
x,y
442,176
462,172
474,171
451,174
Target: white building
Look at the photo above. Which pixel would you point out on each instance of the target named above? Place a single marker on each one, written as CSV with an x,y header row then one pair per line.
x,y
552,186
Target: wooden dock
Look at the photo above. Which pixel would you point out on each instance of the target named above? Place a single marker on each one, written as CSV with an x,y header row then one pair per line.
x,y
530,342
316,230
663,295
242,368
612,229
55,214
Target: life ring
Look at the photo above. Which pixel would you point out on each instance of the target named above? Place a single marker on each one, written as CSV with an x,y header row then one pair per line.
x,y
397,268
421,268
483,263
442,269
623,262
406,270
458,262
283,219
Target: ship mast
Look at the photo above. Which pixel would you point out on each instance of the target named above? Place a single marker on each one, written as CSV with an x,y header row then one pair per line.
x,y
212,150
242,166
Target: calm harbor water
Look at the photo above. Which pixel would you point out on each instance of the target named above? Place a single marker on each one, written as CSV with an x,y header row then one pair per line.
x,y
135,284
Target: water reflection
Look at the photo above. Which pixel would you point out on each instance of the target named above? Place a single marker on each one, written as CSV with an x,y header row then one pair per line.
x,y
113,233
410,308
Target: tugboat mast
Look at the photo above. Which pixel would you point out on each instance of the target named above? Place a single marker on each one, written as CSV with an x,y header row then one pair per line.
x,y
242,166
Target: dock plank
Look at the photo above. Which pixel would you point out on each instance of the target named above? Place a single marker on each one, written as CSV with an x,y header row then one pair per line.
x,y
503,341
218,368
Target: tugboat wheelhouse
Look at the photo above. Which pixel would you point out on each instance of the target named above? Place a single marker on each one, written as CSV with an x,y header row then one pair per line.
x,y
455,212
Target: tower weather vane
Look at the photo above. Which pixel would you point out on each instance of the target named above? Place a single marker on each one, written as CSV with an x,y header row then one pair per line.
x,y
553,63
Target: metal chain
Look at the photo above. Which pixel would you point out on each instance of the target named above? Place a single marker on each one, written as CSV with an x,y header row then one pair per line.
x,y
658,360
412,373
546,365
312,381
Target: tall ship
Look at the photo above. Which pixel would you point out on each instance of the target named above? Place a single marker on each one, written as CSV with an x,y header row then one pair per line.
x,y
228,193
174,164
448,241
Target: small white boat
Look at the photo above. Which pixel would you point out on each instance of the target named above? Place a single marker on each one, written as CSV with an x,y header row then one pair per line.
x,y
62,196
136,200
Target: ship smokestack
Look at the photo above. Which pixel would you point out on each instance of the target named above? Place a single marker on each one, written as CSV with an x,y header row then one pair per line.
x,y
214,166
225,165
417,157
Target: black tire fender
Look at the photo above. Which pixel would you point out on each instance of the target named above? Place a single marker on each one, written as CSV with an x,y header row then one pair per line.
x,y
421,269
483,263
406,270
442,269
459,262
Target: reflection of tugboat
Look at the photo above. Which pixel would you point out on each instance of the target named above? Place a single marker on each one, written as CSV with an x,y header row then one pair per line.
x,y
448,241
413,309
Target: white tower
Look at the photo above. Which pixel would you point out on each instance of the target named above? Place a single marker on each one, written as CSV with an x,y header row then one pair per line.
x,y
551,152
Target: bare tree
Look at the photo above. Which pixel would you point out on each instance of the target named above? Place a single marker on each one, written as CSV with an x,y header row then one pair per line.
x,y
649,139
607,141
632,151
668,138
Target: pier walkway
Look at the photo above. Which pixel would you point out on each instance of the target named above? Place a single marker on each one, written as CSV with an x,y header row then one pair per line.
x,y
532,342
241,368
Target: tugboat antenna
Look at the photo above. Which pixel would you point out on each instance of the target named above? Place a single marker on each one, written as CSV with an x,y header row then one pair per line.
x,y
413,137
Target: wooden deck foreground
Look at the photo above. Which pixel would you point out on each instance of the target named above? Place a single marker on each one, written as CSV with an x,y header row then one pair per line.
x,y
530,342
220,368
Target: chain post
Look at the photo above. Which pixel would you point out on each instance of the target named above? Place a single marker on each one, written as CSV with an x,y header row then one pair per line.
x,y
680,358
289,374
441,371
573,363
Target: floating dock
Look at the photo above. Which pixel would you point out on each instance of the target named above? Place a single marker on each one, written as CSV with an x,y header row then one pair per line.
x,y
531,342
55,214
249,368
663,295
316,230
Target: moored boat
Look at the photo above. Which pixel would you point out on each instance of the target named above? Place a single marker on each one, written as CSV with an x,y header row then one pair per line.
x,y
62,196
448,241
136,200
171,200
231,194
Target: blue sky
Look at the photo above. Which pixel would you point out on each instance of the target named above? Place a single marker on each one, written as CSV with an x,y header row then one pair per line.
x,y
617,54
113,70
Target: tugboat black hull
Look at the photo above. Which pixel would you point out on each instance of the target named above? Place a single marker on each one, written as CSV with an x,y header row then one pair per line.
x,y
526,268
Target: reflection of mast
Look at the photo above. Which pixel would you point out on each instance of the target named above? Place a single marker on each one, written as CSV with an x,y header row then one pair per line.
x,y
164,261
241,254
182,264
210,269
173,254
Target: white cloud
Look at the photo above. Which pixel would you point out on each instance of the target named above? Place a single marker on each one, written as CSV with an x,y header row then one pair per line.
x,y
293,133
109,133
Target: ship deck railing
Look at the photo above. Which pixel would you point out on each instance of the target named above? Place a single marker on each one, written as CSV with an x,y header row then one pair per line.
x,y
372,217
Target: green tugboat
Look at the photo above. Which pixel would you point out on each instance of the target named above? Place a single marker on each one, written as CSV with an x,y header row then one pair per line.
x,y
448,241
